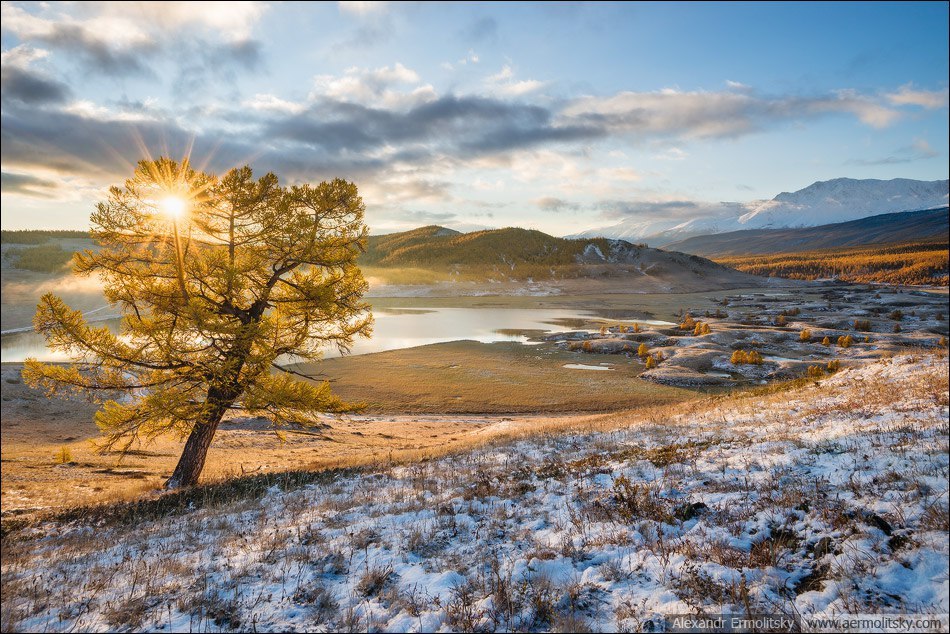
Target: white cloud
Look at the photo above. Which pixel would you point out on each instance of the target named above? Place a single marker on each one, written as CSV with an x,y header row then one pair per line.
x,y
671,154
117,31
22,56
868,111
376,87
505,74
702,114
624,174
930,99
271,103
924,149
233,20
503,83
471,58
130,24
362,9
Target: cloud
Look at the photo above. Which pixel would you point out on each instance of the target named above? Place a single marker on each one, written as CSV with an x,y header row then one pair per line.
x,y
557,205
918,150
427,217
671,154
377,87
363,9
122,38
267,102
726,114
627,174
930,99
504,83
471,58
648,208
457,126
27,185
234,21
25,84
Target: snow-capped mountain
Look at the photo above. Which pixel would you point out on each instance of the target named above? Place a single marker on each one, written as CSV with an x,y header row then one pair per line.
x,y
844,199
823,202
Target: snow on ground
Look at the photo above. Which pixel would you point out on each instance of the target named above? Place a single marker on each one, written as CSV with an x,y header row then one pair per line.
x,y
829,497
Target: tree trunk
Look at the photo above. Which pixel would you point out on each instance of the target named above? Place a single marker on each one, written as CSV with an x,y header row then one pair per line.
x,y
193,456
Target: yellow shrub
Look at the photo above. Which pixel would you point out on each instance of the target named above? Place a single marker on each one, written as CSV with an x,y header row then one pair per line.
x,y
826,341
804,335
753,357
643,350
64,455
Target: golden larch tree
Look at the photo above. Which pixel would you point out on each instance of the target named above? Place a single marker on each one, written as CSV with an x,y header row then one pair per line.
x,y
219,280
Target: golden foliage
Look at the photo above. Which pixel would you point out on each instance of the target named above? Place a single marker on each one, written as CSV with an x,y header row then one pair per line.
x,y
752,357
211,299
908,263
804,335
64,455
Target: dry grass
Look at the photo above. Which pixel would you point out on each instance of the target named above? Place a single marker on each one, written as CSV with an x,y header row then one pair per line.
x,y
204,555
467,377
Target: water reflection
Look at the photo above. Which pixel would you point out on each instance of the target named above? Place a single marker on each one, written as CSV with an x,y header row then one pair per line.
x,y
394,328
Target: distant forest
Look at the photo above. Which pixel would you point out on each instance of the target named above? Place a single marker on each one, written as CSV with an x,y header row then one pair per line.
x,y
38,236
907,263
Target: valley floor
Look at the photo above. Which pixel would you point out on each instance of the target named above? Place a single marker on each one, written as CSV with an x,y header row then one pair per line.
x,y
827,497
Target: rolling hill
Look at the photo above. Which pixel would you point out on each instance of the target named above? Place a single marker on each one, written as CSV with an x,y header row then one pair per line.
x,y
908,226
514,254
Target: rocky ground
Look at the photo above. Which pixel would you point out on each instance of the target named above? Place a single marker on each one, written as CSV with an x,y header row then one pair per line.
x,y
791,332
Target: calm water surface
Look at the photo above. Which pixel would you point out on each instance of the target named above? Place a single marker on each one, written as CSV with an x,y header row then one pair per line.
x,y
395,328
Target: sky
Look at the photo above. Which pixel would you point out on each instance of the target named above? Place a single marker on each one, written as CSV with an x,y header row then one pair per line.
x,y
553,116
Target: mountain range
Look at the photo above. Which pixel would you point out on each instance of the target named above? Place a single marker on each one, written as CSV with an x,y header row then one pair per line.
x,y
903,227
824,202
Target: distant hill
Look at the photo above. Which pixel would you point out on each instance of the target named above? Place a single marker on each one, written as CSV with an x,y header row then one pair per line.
x,y
910,226
822,202
520,254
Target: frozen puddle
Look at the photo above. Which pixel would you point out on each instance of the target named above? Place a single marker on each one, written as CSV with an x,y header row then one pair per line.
x,y
583,366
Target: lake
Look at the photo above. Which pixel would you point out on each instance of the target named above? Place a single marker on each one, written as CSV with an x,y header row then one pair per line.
x,y
397,328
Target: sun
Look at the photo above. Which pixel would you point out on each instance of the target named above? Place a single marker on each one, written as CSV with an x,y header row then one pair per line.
x,y
174,206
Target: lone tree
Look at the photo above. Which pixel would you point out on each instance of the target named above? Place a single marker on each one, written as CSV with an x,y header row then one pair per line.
x,y
217,279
